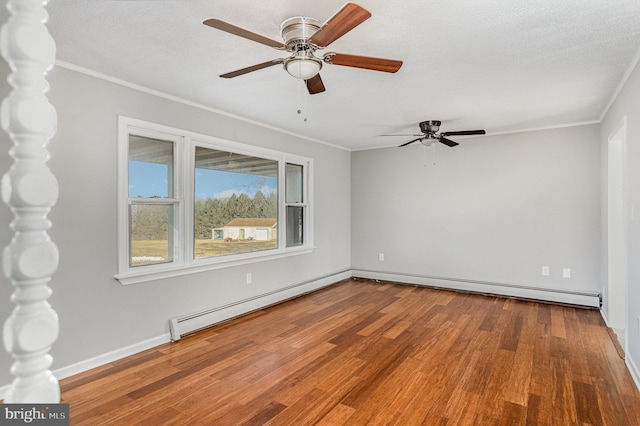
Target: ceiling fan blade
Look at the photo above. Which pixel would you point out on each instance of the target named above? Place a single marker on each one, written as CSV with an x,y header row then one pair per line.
x,y
315,85
365,62
252,68
464,132
407,143
350,16
448,142
241,32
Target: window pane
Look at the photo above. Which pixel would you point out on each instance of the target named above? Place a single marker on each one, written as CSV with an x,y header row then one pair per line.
x,y
293,183
295,225
150,168
236,203
151,234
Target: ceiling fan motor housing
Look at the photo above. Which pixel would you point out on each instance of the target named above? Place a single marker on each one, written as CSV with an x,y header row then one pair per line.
x,y
296,31
430,127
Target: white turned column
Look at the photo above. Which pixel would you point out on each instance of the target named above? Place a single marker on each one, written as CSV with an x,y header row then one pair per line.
x,y
30,190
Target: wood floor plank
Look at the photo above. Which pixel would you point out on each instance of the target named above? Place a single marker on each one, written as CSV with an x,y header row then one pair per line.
x,y
492,399
587,406
511,333
279,373
513,414
343,370
534,415
564,408
383,356
212,397
544,314
397,329
519,382
491,318
307,410
467,409
557,322
613,410
367,353
186,370
339,415
631,406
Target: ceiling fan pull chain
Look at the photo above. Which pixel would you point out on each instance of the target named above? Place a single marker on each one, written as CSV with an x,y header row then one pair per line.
x,y
300,101
302,97
433,145
306,105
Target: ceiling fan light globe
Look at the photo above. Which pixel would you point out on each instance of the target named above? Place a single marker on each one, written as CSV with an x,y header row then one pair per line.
x,y
303,69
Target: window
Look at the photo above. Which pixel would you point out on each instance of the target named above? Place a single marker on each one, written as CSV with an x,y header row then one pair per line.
x,y
236,203
295,204
152,201
189,202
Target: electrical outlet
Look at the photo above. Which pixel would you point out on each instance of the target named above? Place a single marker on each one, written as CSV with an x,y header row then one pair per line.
x,y
566,272
638,324
249,278
545,271
381,257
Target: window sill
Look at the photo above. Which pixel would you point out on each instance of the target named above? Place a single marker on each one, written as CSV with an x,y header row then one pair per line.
x,y
176,271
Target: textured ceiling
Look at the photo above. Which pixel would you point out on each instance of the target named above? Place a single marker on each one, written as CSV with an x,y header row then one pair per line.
x,y
501,65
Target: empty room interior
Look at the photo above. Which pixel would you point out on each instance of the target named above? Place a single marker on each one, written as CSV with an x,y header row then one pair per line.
x,y
296,212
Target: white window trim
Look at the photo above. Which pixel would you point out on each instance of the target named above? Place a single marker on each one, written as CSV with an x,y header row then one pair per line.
x,y
184,263
306,203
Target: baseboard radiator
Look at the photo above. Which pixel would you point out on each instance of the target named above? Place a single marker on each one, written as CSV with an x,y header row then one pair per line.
x,y
591,300
187,324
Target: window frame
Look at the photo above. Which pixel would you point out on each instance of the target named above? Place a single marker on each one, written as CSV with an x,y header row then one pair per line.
x,y
183,262
303,203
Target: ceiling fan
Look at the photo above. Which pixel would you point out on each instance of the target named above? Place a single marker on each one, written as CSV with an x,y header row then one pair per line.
x,y
430,134
303,36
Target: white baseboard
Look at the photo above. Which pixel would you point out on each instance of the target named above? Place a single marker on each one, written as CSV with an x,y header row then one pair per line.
x,y
633,369
97,361
509,290
631,365
604,316
185,324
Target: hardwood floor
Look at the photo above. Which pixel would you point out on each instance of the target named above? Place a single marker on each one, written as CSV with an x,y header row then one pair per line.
x,y
365,353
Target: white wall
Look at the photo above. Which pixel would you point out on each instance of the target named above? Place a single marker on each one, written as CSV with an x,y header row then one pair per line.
x,y
493,209
97,313
627,104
